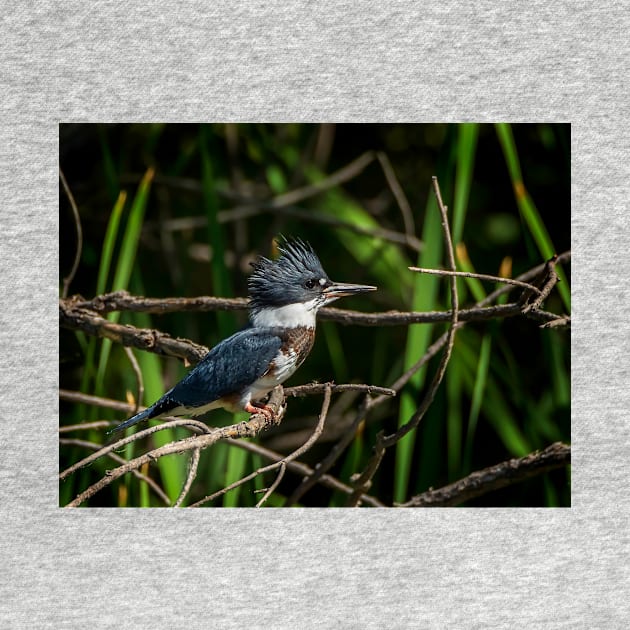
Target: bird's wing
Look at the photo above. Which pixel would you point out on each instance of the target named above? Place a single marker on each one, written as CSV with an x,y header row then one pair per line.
x,y
228,368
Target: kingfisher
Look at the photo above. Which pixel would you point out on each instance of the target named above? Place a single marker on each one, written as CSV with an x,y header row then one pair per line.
x,y
284,297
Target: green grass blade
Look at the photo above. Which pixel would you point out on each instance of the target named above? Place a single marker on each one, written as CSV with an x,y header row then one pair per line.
x,y
109,242
131,237
496,407
481,378
172,469
527,207
467,134
221,284
560,372
454,420
418,339
236,469
125,263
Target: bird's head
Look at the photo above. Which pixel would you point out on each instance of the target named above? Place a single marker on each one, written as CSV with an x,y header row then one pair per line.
x,y
293,287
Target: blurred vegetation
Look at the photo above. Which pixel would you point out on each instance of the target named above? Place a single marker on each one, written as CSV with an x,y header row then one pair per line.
x,y
181,210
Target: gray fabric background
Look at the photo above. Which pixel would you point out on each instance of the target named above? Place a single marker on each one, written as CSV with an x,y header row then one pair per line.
x,y
265,61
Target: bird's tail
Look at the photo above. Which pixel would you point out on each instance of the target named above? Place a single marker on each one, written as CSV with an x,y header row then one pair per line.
x,y
139,417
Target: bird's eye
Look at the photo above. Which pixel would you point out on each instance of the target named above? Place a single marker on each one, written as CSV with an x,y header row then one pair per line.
x,y
310,283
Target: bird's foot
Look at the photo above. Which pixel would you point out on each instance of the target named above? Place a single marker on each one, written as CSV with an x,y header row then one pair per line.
x,y
266,411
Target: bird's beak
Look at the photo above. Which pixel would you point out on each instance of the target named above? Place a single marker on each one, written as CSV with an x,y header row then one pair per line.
x,y
338,289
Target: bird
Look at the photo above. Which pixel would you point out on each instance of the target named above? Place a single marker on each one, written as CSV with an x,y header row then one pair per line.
x,y
284,297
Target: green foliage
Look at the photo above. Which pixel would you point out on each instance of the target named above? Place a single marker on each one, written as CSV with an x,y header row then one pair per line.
x,y
179,210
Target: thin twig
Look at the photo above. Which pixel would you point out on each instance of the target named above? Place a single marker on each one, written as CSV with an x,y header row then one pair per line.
x,y
276,482
279,464
118,444
190,477
304,470
85,426
398,192
77,222
506,473
341,176
479,276
550,280
123,301
327,463
320,388
139,379
142,477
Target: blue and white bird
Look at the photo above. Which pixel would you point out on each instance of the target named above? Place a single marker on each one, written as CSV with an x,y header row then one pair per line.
x,y
284,297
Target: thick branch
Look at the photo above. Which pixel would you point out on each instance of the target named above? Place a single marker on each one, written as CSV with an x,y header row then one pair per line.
x,y
145,339
124,301
79,318
493,478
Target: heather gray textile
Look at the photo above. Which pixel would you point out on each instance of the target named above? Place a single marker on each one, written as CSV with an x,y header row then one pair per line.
x,y
303,61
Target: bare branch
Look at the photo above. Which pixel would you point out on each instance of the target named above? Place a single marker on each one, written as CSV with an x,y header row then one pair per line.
x,y
142,477
296,467
549,279
108,448
506,473
320,388
256,424
279,464
161,343
450,337
124,301
344,174
153,340
97,401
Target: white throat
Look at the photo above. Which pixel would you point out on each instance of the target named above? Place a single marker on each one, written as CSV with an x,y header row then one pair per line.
x,y
289,316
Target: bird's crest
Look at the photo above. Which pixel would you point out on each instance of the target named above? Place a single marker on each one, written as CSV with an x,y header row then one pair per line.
x,y
282,281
